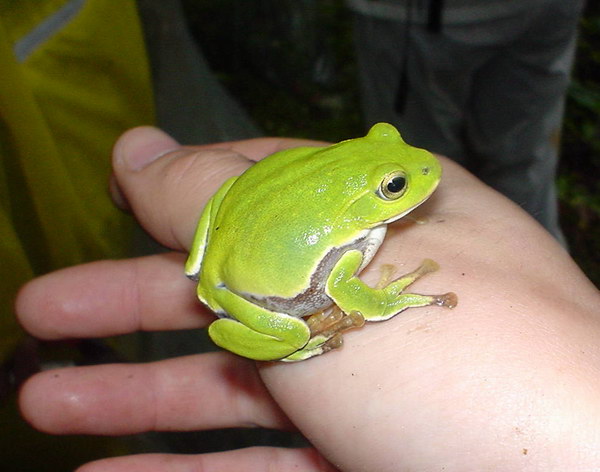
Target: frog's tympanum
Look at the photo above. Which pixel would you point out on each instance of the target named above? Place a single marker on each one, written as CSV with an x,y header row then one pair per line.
x,y
288,238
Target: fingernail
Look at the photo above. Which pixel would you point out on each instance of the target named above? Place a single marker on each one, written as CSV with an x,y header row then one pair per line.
x,y
139,147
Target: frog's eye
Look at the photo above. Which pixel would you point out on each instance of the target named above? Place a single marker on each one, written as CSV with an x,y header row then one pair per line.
x,y
393,186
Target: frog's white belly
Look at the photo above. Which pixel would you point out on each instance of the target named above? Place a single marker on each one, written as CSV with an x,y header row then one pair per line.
x,y
314,299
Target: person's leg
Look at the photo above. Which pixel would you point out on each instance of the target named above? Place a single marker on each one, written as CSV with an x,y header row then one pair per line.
x,y
438,71
516,111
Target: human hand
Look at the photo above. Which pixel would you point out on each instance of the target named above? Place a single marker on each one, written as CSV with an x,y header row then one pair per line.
x,y
469,389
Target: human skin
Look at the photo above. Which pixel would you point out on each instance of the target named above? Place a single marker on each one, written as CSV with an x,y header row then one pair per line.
x,y
506,381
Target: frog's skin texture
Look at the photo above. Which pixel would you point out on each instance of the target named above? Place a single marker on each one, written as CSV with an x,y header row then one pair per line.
x,y
288,238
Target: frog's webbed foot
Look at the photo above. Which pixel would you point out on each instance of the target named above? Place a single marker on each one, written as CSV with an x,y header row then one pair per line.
x,y
388,297
448,300
318,322
326,330
330,322
402,300
348,321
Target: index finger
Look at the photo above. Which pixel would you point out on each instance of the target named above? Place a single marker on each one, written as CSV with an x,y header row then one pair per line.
x,y
109,298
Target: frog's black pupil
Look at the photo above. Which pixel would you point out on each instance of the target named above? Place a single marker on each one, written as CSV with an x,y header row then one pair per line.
x,y
396,184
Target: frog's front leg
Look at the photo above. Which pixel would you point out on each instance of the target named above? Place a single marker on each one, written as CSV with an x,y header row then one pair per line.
x,y
379,304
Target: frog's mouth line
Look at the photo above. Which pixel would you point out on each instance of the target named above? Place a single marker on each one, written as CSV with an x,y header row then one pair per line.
x,y
397,217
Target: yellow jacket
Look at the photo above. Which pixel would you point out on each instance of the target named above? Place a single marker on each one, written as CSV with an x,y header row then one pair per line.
x,y
73,76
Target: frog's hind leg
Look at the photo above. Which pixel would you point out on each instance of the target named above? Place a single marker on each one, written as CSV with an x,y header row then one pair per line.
x,y
241,340
257,333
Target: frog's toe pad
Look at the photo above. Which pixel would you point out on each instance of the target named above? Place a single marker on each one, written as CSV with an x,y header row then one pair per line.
x,y
428,266
448,300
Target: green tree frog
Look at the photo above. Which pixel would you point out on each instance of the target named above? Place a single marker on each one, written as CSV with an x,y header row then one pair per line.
x,y
288,238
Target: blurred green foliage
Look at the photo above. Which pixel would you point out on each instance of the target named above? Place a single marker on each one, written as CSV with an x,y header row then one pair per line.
x,y
579,171
291,64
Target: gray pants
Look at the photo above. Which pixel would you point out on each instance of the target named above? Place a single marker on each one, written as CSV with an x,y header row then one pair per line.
x,y
488,94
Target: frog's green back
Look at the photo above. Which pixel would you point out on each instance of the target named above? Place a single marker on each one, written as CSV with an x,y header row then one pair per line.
x,y
284,214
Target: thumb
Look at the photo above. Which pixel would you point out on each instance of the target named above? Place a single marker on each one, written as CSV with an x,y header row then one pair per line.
x,y
165,184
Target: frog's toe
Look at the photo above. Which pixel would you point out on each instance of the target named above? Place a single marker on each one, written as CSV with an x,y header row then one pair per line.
x,y
321,321
334,343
